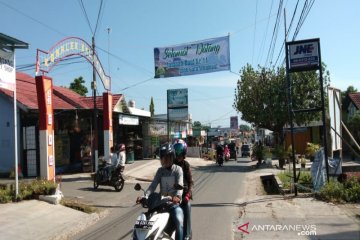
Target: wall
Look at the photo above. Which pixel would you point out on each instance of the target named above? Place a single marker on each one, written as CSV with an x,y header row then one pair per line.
x,y
193,152
7,155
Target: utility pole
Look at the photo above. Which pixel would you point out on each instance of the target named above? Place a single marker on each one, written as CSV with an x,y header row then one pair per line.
x,y
93,87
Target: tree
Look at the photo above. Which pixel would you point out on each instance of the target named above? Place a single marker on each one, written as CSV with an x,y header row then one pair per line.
x,y
344,96
77,86
244,128
261,97
152,107
198,125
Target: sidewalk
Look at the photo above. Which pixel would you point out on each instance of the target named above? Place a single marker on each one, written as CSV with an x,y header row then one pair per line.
x,y
278,217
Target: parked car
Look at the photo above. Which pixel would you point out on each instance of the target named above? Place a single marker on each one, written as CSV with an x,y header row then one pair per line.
x,y
245,150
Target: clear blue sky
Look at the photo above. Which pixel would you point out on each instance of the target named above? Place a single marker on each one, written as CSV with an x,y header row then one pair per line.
x,y
139,26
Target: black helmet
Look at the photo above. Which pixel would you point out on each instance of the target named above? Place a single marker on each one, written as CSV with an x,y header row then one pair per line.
x,y
167,149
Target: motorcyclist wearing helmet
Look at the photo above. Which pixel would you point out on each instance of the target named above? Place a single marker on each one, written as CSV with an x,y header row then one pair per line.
x,y
167,176
180,147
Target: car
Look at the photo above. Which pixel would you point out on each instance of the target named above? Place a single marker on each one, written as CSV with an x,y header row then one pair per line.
x,y
245,150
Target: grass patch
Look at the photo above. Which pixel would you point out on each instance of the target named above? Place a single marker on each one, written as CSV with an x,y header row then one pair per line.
x,y
286,178
27,190
78,206
337,192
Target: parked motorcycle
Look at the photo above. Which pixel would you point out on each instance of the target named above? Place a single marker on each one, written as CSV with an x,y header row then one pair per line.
x,y
116,180
156,222
220,159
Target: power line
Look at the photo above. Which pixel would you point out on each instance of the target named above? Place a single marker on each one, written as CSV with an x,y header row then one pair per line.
x,y
35,20
273,38
252,57
264,39
86,16
98,17
287,33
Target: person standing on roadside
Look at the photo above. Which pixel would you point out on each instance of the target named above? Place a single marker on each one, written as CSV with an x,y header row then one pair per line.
x,y
180,147
121,157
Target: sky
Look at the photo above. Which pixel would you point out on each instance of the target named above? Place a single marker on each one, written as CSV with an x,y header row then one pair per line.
x,y
131,29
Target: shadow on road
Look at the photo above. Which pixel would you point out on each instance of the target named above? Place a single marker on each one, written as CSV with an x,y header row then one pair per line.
x,y
243,204
227,167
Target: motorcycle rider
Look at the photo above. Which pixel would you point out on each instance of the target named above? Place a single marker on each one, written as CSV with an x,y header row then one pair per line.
x,y
219,152
167,176
227,152
180,147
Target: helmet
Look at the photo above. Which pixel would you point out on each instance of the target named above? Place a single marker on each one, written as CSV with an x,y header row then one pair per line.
x,y
167,149
180,147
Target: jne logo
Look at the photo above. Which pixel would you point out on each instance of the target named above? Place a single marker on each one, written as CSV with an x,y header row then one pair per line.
x,y
303,49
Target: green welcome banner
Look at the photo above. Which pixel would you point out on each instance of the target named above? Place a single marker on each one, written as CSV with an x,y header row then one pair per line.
x,y
199,57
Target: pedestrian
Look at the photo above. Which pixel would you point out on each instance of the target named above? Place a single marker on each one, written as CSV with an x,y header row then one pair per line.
x,y
121,157
180,147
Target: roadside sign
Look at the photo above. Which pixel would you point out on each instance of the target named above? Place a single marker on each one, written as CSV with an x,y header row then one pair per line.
x,y
304,55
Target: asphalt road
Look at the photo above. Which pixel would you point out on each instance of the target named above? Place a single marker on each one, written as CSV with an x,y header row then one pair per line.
x,y
214,207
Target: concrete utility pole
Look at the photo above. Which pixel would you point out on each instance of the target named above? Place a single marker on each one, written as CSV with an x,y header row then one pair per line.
x,y
93,87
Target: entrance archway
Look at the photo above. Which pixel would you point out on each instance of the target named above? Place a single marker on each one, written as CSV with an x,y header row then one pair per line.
x,y
45,62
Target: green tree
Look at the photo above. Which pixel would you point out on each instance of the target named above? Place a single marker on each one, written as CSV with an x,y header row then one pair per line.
x,y
261,97
354,125
78,86
344,96
152,107
197,125
244,128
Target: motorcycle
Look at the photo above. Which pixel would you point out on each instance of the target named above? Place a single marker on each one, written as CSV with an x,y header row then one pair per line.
x,y
116,180
220,159
156,222
227,156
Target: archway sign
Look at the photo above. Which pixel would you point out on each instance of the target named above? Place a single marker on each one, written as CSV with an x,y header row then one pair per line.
x,y
45,62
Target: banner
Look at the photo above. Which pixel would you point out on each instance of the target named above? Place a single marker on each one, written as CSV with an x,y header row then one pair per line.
x,y
199,57
7,70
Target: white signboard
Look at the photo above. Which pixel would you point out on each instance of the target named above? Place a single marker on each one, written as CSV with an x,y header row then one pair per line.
x,y
128,120
7,70
177,98
304,55
178,113
204,56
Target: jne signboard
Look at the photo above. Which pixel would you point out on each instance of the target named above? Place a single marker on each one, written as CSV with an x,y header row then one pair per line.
x,y
304,55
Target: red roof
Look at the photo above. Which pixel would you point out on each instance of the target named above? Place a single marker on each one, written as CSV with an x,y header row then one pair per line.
x,y
99,101
63,98
355,98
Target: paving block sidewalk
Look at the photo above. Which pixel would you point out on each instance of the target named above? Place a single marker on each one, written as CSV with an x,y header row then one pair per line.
x,y
277,217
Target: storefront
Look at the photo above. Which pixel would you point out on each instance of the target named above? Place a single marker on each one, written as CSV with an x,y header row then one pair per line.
x,y
132,130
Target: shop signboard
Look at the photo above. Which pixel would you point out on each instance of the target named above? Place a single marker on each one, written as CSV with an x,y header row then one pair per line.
x,y
178,114
304,55
205,56
177,98
7,70
158,129
128,120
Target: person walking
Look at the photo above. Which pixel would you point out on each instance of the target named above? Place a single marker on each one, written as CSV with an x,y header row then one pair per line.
x,y
180,147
